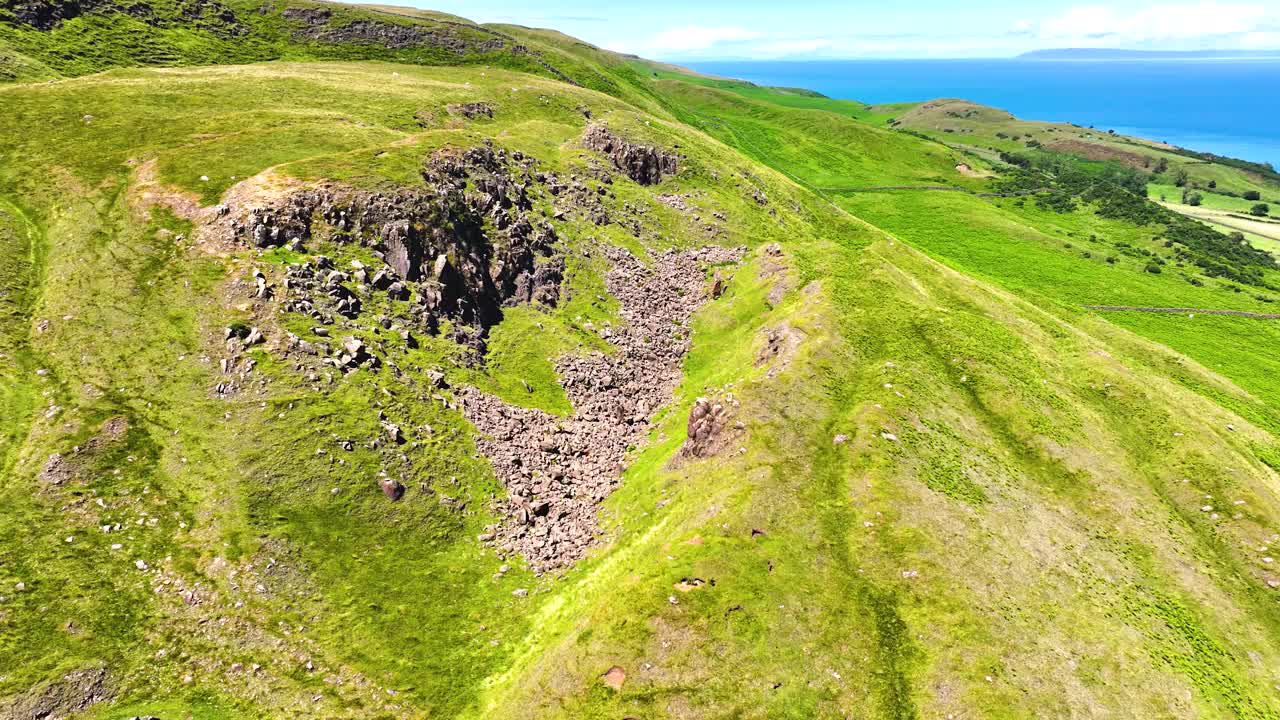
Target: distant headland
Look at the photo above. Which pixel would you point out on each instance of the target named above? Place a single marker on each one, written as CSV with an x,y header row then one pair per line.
x,y
1110,54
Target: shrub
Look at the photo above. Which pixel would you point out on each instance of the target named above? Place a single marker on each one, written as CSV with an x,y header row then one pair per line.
x,y
1213,184
1194,199
1252,195
1154,269
1260,210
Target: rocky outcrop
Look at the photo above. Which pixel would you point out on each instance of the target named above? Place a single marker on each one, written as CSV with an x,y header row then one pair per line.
x,y
471,110
708,423
557,470
516,48
317,26
644,164
460,248
208,15
48,14
468,242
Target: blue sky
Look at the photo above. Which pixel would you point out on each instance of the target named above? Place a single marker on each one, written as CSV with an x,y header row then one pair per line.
x,y
768,29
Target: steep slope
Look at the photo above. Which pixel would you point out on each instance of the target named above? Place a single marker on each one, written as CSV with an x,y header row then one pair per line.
x,y
359,389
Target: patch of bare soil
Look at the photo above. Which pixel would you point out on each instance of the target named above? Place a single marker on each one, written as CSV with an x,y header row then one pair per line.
x,y
147,192
1098,151
71,695
773,266
780,344
60,467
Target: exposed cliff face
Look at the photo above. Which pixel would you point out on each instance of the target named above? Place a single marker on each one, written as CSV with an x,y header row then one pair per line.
x,y
317,26
49,14
645,164
460,248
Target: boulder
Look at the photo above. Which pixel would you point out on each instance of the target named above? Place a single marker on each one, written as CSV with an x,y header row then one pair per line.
x,y
393,489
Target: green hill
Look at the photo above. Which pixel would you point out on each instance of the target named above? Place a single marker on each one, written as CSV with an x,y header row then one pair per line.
x,y
370,363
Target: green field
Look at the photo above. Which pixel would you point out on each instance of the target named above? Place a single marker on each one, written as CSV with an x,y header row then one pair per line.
x,y
960,493
1171,193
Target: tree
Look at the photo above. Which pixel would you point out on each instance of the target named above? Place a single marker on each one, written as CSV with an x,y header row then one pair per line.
x,y
1252,195
1162,165
1180,177
1213,184
1194,199
1260,210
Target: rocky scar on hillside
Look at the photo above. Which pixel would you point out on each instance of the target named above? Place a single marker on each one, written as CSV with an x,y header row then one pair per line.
x,y
557,470
645,164
71,695
474,238
460,248
316,25
322,25
205,14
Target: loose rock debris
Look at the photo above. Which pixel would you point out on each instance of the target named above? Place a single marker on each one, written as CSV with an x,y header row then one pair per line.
x,y
557,470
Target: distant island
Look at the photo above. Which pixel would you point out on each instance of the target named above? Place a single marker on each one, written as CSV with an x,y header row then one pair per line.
x,y
1110,54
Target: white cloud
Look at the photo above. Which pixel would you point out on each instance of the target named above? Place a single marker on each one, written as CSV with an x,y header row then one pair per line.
x,y
1090,24
801,46
1263,40
1181,24
696,38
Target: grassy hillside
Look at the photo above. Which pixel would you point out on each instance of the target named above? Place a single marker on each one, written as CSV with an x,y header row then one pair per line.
x,y
944,486
817,146
1078,257
1172,174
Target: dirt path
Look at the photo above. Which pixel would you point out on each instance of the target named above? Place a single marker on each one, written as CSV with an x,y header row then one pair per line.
x,y
1187,311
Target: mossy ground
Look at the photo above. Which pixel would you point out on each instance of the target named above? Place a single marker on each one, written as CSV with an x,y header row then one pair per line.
x,y
1012,526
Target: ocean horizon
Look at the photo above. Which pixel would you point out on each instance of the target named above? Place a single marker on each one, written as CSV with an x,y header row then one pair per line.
x,y
1226,106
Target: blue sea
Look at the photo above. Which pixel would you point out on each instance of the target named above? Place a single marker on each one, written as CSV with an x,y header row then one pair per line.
x,y
1228,107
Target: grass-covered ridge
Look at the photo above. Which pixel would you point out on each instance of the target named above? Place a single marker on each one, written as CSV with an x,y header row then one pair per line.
x,y
954,491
